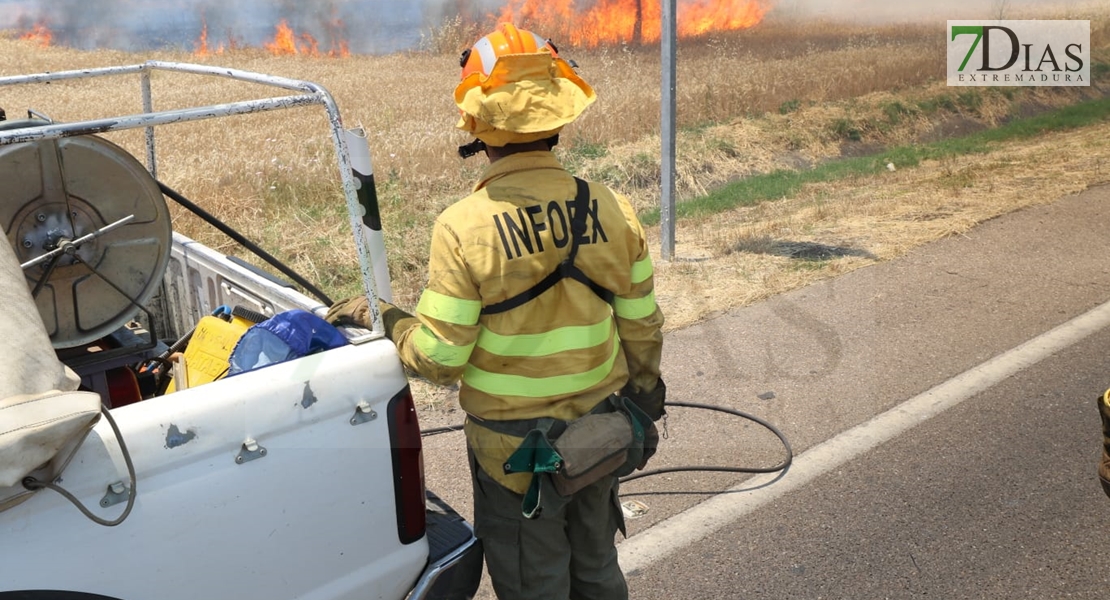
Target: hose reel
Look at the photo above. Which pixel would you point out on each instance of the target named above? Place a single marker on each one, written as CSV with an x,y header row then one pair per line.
x,y
90,228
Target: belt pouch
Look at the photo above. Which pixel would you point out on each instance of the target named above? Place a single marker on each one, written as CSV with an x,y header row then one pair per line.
x,y
592,447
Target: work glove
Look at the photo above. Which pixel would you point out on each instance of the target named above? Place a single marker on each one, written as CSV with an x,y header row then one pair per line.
x,y
652,405
649,402
651,444
356,311
1104,461
351,311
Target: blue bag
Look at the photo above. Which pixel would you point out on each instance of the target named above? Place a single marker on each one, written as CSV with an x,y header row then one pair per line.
x,y
285,336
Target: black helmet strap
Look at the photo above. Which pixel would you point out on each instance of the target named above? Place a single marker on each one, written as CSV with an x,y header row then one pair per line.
x,y
468,150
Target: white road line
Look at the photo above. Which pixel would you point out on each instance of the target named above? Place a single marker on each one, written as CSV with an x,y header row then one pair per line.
x,y
703,520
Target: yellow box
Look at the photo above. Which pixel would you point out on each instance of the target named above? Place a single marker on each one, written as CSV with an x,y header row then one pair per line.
x,y
206,356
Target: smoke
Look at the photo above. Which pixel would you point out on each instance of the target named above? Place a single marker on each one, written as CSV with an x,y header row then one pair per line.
x,y
365,26
381,26
885,11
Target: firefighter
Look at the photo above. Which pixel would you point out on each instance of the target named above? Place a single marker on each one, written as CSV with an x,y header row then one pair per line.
x,y
540,316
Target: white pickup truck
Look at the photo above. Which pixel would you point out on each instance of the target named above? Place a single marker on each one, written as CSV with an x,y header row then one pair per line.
x,y
302,479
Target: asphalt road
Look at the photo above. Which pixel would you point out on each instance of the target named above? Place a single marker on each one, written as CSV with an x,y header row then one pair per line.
x,y
968,466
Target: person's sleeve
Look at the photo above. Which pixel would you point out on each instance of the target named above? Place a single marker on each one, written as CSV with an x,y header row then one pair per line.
x,y
438,344
639,320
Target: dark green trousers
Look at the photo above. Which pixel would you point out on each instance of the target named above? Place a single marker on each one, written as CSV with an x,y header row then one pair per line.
x,y
566,553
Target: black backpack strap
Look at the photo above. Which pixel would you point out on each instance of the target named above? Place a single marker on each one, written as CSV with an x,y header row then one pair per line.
x,y
578,221
542,286
576,274
565,268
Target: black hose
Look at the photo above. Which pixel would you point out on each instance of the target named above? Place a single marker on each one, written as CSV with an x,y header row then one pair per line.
x,y
32,484
782,438
779,467
249,245
439,430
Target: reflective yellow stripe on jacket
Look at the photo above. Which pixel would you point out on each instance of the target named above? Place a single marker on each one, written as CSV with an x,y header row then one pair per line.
x,y
455,311
644,306
500,384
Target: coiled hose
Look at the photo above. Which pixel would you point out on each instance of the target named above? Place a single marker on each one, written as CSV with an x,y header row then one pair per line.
x,y
719,469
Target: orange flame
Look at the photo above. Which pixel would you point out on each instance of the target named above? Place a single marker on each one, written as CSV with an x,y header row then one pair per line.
x,y
288,42
202,48
705,17
337,31
39,34
616,21
309,45
284,42
202,41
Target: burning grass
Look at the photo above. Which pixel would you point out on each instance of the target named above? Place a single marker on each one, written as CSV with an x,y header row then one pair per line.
x,y
608,22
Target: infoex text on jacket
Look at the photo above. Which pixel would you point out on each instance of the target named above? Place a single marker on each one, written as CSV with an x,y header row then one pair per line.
x,y
520,234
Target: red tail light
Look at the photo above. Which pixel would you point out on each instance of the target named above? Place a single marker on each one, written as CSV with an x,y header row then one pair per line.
x,y
408,467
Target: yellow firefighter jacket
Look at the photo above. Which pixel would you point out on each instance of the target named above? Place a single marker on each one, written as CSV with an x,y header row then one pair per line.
x,y
564,351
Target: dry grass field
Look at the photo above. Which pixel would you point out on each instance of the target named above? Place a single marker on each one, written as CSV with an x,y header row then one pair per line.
x,y
785,94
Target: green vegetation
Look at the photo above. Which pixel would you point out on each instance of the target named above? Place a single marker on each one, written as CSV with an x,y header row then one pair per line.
x,y
582,152
938,103
896,111
845,128
808,264
589,150
971,100
783,183
789,106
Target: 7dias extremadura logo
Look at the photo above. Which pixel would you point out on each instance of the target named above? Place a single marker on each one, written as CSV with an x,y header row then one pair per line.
x,y
1045,53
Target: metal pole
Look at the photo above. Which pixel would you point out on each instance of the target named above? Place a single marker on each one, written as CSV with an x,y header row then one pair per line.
x,y
148,107
363,169
668,48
